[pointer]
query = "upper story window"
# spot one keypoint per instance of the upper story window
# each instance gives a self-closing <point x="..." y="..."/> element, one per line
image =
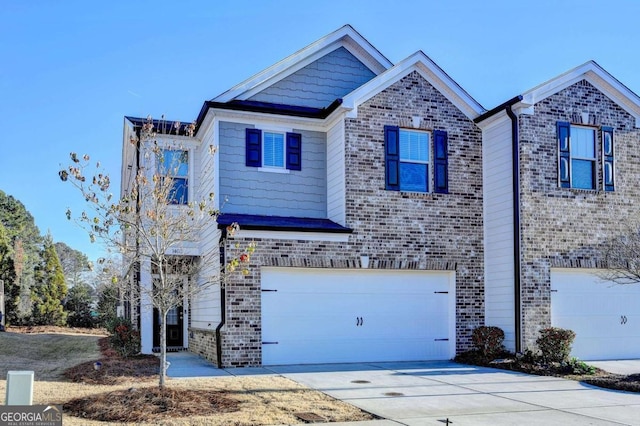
<point x="273" y="150"/>
<point x="415" y="159"/>
<point x="175" y="166"/>
<point x="579" y="149"/>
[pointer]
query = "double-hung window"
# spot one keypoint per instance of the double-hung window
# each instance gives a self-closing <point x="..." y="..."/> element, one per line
<point x="273" y="150"/>
<point x="579" y="150"/>
<point x="174" y="169"/>
<point x="414" y="159"/>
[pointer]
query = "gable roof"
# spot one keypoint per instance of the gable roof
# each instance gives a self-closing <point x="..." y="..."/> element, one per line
<point x="596" y="76"/>
<point x="430" y="71"/>
<point x="345" y="37"/>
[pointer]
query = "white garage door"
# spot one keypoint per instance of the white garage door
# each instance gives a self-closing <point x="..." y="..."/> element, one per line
<point x="605" y="316"/>
<point x="329" y="316"/>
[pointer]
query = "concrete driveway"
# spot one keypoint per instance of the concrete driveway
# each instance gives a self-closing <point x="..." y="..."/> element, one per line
<point x="429" y="393"/>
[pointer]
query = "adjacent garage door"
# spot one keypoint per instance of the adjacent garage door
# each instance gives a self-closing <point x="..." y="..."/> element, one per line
<point x="605" y="316"/>
<point x="329" y="316"/>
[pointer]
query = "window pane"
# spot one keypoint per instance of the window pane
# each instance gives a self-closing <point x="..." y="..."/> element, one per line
<point x="175" y="163"/>
<point x="273" y="151"/>
<point x="414" y="146"/>
<point x="582" y="172"/>
<point x="179" y="194"/>
<point x="413" y="177"/>
<point x="582" y="142"/>
<point x="172" y="316"/>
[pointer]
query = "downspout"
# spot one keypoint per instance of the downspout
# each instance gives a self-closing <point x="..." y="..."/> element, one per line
<point x="515" y="163"/>
<point x="223" y="304"/>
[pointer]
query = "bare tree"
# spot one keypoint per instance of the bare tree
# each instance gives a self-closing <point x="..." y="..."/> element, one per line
<point x="621" y="257"/>
<point x="158" y="221"/>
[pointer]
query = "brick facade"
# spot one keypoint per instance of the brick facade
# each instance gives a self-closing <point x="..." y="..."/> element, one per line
<point x="565" y="227"/>
<point x="399" y="230"/>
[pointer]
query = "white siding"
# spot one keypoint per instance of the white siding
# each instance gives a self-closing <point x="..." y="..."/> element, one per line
<point x="498" y="228"/>
<point x="205" y="307"/>
<point x="335" y="174"/>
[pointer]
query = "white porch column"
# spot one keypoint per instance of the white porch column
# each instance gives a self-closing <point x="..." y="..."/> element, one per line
<point x="146" y="308"/>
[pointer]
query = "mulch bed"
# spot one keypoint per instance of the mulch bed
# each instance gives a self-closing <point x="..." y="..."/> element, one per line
<point x="145" y="404"/>
<point x="630" y="383"/>
<point x="150" y="404"/>
<point x="115" y="369"/>
<point x="599" y="378"/>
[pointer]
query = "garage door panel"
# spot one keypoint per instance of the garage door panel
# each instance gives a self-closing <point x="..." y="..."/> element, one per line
<point x="320" y="316"/>
<point x="603" y="315"/>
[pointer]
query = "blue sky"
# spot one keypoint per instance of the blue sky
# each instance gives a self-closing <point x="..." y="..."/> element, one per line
<point x="71" y="70"/>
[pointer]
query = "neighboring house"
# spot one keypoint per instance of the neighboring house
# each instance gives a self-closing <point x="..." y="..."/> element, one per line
<point x="381" y="234"/>
<point x="576" y="140"/>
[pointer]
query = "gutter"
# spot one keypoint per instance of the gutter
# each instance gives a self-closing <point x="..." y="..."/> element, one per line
<point x="223" y="306"/>
<point x="517" y="266"/>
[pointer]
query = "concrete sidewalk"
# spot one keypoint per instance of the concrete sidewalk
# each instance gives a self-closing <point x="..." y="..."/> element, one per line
<point x="429" y="393"/>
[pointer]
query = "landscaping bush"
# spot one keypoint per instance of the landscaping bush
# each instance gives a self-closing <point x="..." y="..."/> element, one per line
<point x="124" y="339"/>
<point x="488" y="341"/>
<point x="555" y="344"/>
<point x="580" y="367"/>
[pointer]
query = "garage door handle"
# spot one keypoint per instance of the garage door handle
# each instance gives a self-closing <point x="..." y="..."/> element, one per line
<point x="359" y="321"/>
<point x="623" y="319"/>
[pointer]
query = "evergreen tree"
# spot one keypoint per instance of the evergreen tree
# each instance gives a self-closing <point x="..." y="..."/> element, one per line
<point x="7" y="272"/>
<point x="74" y="263"/>
<point x="50" y="288"/>
<point x="78" y="306"/>
<point x="24" y="254"/>
<point x="107" y="304"/>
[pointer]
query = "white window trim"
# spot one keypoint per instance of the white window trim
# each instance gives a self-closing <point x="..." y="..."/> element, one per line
<point x="593" y="159"/>
<point x="430" y="179"/>
<point x="275" y="169"/>
<point x="190" y="172"/>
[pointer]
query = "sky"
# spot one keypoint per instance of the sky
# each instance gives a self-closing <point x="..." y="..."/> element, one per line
<point x="70" y="70"/>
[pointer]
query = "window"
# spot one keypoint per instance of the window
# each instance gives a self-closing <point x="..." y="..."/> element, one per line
<point x="414" y="161"/>
<point x="175" y="166"/>
<point x="270" y="149"/>
<point x="273" y="149"/>
<point x="409" y="161"/>
<point x="578" y="157"/>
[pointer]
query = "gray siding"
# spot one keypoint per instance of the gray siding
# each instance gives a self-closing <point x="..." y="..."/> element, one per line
<point x="320" y="83"/>
<point x="247" y="190"/>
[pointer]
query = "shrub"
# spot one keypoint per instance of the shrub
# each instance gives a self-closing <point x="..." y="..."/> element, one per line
<point x="580" y="367"/>
<point x="555" y="344"/>
<point x="124" y="339"/>
<point x="488" y="341"/>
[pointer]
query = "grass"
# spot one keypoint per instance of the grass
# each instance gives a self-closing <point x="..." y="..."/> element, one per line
<point x="49" y="355"/>
<point x="126" y="391"/>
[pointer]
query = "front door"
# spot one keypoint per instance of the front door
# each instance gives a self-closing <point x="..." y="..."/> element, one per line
<point x="174" y="324"/>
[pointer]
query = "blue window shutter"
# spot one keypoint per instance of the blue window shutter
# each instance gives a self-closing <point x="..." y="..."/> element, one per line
<point x="253" y="147"/>
<point x="294" y="151"/>
<point x="564" y="157"/>
<point x="608" y="176"/>
<point x="441" y="162"/>
<point x="392" y="157"/>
